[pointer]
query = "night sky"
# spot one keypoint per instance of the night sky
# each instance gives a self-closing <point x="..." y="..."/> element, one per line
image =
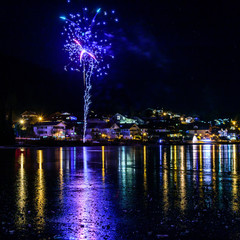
<point x="183" y="56"/>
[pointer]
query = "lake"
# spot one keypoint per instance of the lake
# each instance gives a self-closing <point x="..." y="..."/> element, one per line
<point x="120" y="192"/>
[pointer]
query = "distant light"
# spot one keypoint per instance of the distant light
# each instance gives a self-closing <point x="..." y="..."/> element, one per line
<point x="63" y="18"/>
<point x="40" y="118"/>
<point x="21" y="121"/>
<point x="98" y="10"/>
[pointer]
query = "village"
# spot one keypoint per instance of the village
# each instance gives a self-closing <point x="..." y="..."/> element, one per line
<point x="152" y="125"/>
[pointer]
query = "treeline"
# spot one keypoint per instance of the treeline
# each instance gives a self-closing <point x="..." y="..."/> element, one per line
<point x="6" y="130"/>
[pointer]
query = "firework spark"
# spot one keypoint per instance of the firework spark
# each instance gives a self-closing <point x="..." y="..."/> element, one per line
<point x="88" y="43"/>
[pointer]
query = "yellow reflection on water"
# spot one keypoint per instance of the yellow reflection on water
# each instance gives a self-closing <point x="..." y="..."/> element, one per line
<point x="201" y="173"/>
<point x="21" y="193"/>
<point x="40" y="199"/>
<point x="234" y="163"/>
<point x="145" y="168"/>
<point x="213" y="154"/>
<point x="183" y="201"/>
<point x="103" y="164"/>
<point x="175" y="164"/>
<point x="174" y="173"/>
<point x="235" y="203"/>
<point x="175" y="157"/>
<point x="200" y="159"/>
<point x="165" y="183"/>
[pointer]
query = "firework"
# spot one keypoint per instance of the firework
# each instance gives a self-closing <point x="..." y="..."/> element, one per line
<point x="88" y="41"/>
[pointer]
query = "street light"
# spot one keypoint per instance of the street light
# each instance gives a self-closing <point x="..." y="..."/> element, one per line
<point x="21" y="121"/>
<point x="40" y="118"/>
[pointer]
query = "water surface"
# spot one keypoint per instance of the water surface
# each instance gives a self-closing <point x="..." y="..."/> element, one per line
<point x="177" y="192"/>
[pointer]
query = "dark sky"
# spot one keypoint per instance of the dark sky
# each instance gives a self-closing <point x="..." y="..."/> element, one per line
<point x="180" y="55"/>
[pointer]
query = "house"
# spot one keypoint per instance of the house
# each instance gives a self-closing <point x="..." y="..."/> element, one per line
<point x="135" y="132"/>
<point x="125" y="131"/>
<point x="201" y="130"/>
<point x="102" y="130"/>
<point x="227" y="134"/>
<point x="130" y="131"/>
<point x="223" y="133"/>
<point x="50" y="129"/>
<point x="120" y="119"/>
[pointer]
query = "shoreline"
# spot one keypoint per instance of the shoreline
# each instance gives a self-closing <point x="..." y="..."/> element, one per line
<point x="63" y="143"/>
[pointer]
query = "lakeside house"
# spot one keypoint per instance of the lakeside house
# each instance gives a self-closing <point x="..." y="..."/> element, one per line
<point x="50" y="129"/>
<point x="202" y="130"/>
<point x="101" y="129"/>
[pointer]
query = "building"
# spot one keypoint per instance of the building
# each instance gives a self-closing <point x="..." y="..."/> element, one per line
<point x="121" y="119"/>
<point x="130" y="131"/>
<point x="202" y="130"/>
<point x="102" y="130"/>
<point x="125" y="131"/>
<point x="50" y="129"/>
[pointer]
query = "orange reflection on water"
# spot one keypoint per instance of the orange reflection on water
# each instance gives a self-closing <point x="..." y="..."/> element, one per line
<point x="145" y="168"/>
<point x="103" y="163"/>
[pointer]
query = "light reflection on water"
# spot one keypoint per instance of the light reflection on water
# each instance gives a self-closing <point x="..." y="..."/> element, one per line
<point x="89" y="187"/>
<point x="40" y="198"/>
<point x="21" y="193"/>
